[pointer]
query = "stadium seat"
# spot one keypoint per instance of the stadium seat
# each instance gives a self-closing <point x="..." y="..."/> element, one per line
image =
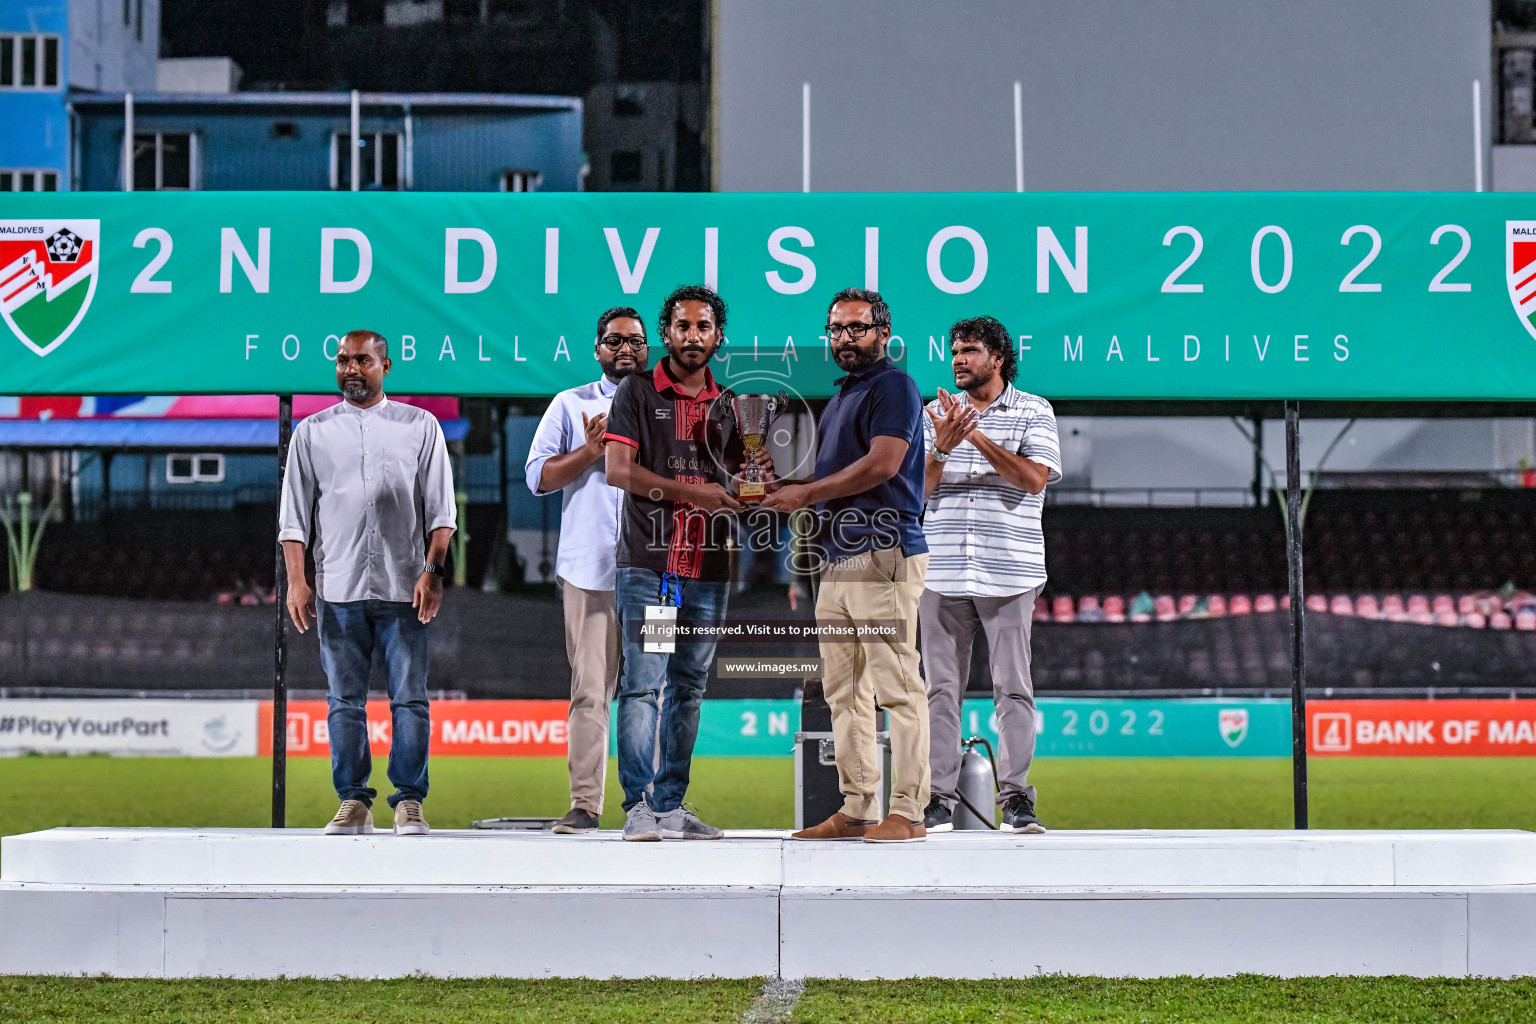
<point x="1264" y="603"/>
<point x="1341" y="605"/>
<point x="1241" y="605"/>
<point x="1061" y="610"/>
<point x="1165" y="609"/>
<point x="1367" y="607"/>
<point x="1114" y="608"/>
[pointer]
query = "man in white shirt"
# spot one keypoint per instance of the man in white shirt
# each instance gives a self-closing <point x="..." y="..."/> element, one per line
<point x="991" y="453"/>
<point x="369" y="489"/>
<point x="567" y="456"/>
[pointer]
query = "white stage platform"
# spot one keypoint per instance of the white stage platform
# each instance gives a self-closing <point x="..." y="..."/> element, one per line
<point x="263" y="903"/>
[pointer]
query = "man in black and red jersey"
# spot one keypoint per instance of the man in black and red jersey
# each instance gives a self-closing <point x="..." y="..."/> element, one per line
<point x="671" y="450"/>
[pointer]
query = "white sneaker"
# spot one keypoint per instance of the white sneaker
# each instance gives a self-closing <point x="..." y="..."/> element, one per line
<point x="353" y="819"/>
<point x="408" y="819"/>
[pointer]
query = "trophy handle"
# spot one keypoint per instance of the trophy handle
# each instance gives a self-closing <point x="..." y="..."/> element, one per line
<point x="727" y="410"/>
<point x="780" y="403"/>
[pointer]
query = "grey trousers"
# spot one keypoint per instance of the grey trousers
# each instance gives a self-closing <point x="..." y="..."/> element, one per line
<point x="592" y="645"/>
<point x="949" y="626"/>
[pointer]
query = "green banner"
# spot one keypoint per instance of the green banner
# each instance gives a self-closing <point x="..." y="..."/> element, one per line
<point x="1067" y="728"/>
<point x="1148" y="728"/>
<point x="1145" y="295"/>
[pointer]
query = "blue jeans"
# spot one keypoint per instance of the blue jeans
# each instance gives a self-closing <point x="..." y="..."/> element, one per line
<point x="350" y="633"/>
<point x="662" y="781"/>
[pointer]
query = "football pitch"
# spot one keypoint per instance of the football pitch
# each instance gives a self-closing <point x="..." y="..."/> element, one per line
<point x="735" y="792"/>
<point x="43" y="792"/>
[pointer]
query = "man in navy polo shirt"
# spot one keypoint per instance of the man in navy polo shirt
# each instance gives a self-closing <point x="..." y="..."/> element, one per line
<point x="868" y="491"/>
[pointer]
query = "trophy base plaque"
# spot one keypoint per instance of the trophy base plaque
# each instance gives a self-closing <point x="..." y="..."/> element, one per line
<point x="751" y="491"/>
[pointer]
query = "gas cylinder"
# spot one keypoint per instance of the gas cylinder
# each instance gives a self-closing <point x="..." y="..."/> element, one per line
<point x="978" y="784"/>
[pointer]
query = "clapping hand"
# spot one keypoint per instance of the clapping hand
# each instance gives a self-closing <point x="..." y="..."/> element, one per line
<point x="958" y="421"/>
<point x="594" y="428"/>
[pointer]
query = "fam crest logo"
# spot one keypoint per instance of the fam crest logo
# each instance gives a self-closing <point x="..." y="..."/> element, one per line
<point x="47" y="278"/>
<point x="1233" y="725"/>
<point x="1520" y="269"/>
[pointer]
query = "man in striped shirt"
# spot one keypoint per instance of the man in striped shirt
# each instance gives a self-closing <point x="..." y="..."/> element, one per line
<point x="990" y="455"/>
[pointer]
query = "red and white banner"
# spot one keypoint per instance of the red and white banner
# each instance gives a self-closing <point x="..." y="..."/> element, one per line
<point x="475" y="728"/>
<point x="1422" y="728"/>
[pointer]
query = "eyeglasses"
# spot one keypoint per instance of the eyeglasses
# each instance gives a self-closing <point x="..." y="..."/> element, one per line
<point x="617" y="342"/>
<point x="854" y="331"/>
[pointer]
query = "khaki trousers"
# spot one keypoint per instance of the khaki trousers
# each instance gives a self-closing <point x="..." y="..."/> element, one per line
<point x="878" y="585"/>
<point x="592" y="645"/>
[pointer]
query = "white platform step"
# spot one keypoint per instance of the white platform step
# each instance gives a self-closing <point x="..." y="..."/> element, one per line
<point x="264" y="903"/>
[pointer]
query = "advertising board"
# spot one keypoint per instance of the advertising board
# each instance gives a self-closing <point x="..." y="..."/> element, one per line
<point x="1190" y="295"/>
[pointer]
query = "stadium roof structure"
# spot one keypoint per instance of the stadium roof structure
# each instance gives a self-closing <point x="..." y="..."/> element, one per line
<point x="499" y="101"/>
<point x="161" y="434"/>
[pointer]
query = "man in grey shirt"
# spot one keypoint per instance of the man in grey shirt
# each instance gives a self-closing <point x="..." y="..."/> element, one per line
<point x="369" y="490"/>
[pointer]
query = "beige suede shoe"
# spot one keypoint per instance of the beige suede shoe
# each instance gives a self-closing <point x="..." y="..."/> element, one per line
<point x="408" y="819"/>
<point x="353" y="819"/>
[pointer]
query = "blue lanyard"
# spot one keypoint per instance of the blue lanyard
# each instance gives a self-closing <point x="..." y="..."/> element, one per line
<point x="677" y="589"/>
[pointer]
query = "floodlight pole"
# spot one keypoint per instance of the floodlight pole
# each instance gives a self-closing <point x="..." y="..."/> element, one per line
<point x="1298" y="611"/>
<point x="805" y="136"/>
<point x="280" y="599"/>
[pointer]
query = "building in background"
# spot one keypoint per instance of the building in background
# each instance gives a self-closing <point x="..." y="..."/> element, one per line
<point x="1119" y="95"/>
<point x="645" y="137"/>
<point x="280" y="140"/>
<point x="1124" y="95"/>
<point x="642" y="67"/>
<point x="51" y="49"/>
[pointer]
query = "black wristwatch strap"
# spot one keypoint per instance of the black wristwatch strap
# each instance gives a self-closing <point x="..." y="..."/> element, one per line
<point x="435" y="570"/>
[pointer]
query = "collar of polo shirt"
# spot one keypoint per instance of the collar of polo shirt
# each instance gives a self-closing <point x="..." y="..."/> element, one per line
<point x="664" y="381"/>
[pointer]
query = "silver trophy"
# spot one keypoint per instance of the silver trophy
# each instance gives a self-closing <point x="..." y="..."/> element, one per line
<point x="753" y="414"/>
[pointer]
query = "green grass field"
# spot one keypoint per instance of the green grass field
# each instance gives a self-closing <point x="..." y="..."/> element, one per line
<point x="42" y="792"/>
<point x="1241" y="1000"/>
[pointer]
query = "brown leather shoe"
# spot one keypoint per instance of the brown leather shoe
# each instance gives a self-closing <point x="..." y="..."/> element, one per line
<point x="839" y="826"/>
<point x="896" y="829"/>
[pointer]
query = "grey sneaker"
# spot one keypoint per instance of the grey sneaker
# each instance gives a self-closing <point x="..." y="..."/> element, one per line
<point x="684" y="824"/>
<point x="640" y="824"/>
<point x="408" y="819"/>
<point x="353" y="819"/>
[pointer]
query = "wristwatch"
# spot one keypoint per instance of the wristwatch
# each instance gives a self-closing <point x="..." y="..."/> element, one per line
<point x="435" y="570"/>
<point x="938" y="456"/>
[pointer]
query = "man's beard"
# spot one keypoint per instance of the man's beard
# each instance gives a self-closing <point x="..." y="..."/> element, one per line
<point x="700" y="352"/>
<point x="861" y="358"/>
<point x="616" y="373"/>
<point x="975" y="381"/>
<point x="358" y="391"/>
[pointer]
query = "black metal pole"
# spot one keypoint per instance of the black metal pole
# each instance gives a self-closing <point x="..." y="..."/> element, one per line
<point x="280" y="660"/>
<point x="505" y="525"/>
<point x="1258" y="462"/>
<point x="1298" y="611"/>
